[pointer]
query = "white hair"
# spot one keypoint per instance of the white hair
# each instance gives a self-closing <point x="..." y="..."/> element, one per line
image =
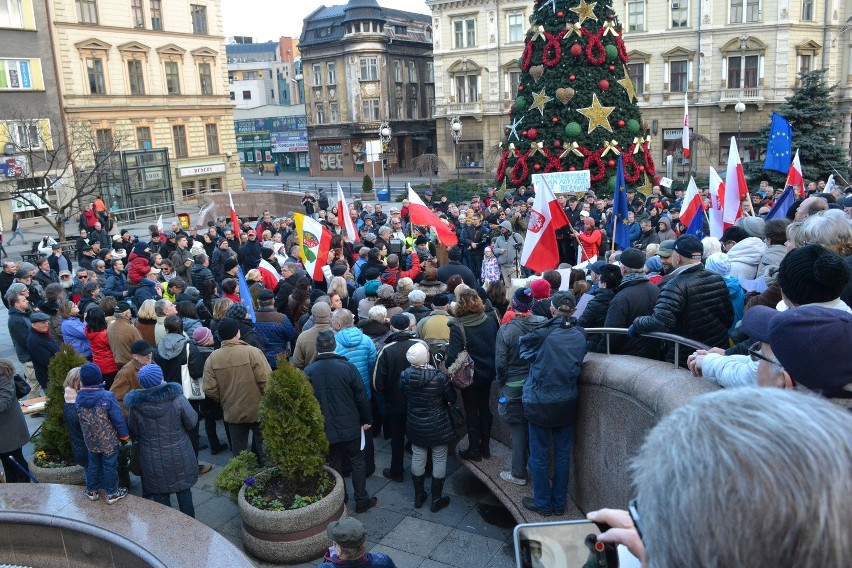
<point x="711" y="246"/>
<point x="417" y="297"/>
<point x="377" y="313"/>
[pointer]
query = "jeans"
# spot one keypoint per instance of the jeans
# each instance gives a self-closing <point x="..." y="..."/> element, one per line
<point x="102" y="472"/>
<point x="550" y="494"/>
<point x="17" y="233"/>
<point x="239" y="434"/>
<point x="419" y="457"/>
<point x="184" y="499"/>
<point x="518" y="432"/>
<point x="396" y="424"/>
<point x="351" y="450"/>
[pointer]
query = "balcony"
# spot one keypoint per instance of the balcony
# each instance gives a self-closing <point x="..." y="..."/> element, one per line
<point x="749" y="95"/>
<point x="475" y="110"/>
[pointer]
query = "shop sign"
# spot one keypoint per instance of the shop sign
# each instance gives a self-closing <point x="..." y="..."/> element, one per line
<point x="201" y="170"/>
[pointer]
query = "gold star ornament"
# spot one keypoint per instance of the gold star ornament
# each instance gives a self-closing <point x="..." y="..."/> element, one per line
<point x="645" y="189"/>
<point x="539" y="100"/>
<point x="585" y="11"/>
<point x="628" y="85"/>
<point x="597" y="114"/>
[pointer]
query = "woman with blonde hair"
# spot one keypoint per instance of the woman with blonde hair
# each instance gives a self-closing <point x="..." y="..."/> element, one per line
<point x="220" y="310"/>
<point x="146" y="321"/>
<point x="339" y="287"/>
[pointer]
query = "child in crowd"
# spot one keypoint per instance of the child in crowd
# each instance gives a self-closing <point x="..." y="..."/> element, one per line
<point x="490" y="267"/>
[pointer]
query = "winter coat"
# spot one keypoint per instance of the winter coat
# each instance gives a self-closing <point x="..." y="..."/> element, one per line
<point x="595" y="313"/>
<point x="730" y="370"/>
<point x="147" y="329"/>
<point x="338" y="388"/>
<point x="392" y="275"/>
<point x="138" y="267"/>
<point x="249" y="255"/>
<point x="481" y="334"/>
<point x="235" y="375"/>
<point x="645" y="239"/>
<point x="772" y="257"/>
<point x="19" y="329"/>
<point x="13" y="426"/>
<point x="737" y="299"/>
<point x="53" y="262"/>
<point x="42" y="348"/>
<point x="101" y="420"/>
<point x="745" y="257"/>
<point x="377" y="331"/>
<point x="201" y="274"/>
<point x="126" y="380"/>
<point x="198" y="355"/>
<point x="74" y="334"/>
<point x="632" y="299"/>
<point x="359" y="350"/>
<point x="171" y="356"/>
<point x="178" y="259"/>
<point x="282" y="296"/>
<point x="550" y="393"/>
<point x="249" y="335"/>
<point x="666" y="234"/>
<point x="509" y="365"/>
<point x="431" y="288"/>
<point x="101" y="353"/>
<point x="694" y="304"/>
<point x="591" y="243"/>
<point x="390" y="363"/>
<point x="452" y="268"/>
<point x="190" y="325"/>
<point x="46" y="278"/>
<point x="419" y="312"/>
<point x="121" y="334"/>
<point x="146" y="290"/>
<point x="276" y="332"/>
<point x="116" y="284"/>
<point x="217" y="262"/>
<point x="502" y="242"/>
<point x="160" y="419"/>
<point x="75" y="432"/>
<point x="428" y="391"/>
<point x="305" y="351"/>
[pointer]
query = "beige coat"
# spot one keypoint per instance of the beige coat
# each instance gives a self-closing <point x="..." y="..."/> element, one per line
<point x="306" y="346"/>
<point x="235" y="375"/>
<point x="121" y="334"/>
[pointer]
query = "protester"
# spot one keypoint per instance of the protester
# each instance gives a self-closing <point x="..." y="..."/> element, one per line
<point x="14" y="434"/>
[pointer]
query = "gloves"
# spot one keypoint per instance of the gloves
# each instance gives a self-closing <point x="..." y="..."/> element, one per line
<point x="631" y="331"/>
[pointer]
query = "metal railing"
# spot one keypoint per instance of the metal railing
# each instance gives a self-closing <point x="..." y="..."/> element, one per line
<point x="667" y="337"/>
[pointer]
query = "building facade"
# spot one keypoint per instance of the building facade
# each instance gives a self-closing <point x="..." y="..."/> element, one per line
<point x="146" y="75"/>
<point x="715" y="52"/>
<point x="364" y="66"/>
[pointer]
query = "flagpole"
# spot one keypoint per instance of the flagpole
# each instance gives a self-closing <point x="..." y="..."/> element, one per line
<point x="614" y="229"/>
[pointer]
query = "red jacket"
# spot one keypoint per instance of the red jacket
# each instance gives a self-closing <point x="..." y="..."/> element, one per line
<point x="137" y="268"/>
<point x="101" y="353"/>
<point x="392" y="275"/>
<point x="591" y="243"/>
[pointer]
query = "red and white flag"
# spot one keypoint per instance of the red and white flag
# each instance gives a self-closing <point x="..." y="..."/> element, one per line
<point x="735" y="187"/>
<point x="235" y="222"/>
<point x="269" y="275"/>
<point x="692" y="204"/>
<point x="717" y="191"/>
<point x="685" y="125"/>
<point x="540" y="248"/>
<point x="421" y="215"/>
<point x="343" y="218"/>
<point x="794" y="176"/>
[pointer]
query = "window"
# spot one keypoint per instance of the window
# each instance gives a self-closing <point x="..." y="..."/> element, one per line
<point x="412" y="72"/>
<point x="246" y="95"/>
<point x="464" y="33"/>
<point x="680" y="13"/>
<point x="317" y="68"/>
<point x="172" y="78"/>
<point x="199" y="19"/>
<point x="136" y="77"/>
<point x="187" y="189"/>
<point x="807" y="10"/>
<point x="514" y="83"/>
<point x="95" y="70"/>
<point x="103" y="139"/>
<point x="412" y="109"/>
<point x="636" y="15"/>
<point x="21" y="74"/>
<point x="87" y="11"/>
<point x="470" y="154"/>
<point x="370" y="110"/>
<point x="636" y="72"/>
<point x="751" y="8"/>
<point x="211" y="134"/>
<point x="156" y="14"/>
<point x="137" y="13"/>
<point x="205" y="78"/>
<point x="232" y="96"/>
<point x="516" y="28"/>
<point x="743" y="72"/>
<point x="25" y="134"/>
<point x="400" y="30"/>
<point x="397" y="71"/>
<point x="430" y="72"/>
<point x="143" y="138"/>
<point x="11" y="14"/>
<point x="679" y="80"/>
<point x="467" y="88"/>
<point x="369" y="69"/>
<point x="320" y="114"/>
<point x="334" y="110"/>
<point x="216" y="184"/>
<point x="179" y="135"/>
<point x="331" y="73"/>
<point x="806" y="63"/>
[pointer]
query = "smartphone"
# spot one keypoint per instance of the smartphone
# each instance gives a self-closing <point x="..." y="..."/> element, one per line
<point x="563" y="544"/>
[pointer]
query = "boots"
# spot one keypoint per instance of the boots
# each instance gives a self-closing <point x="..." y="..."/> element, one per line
<point x="420" y="494"/>
<point x="472" y="453"/>
<point x="485" y="448"/>
<point x="438" y="502"/>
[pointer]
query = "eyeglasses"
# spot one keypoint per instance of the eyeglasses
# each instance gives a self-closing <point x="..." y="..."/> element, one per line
<point x="756" y="355"/>
<point x="633" y="511"/>
<point x="82" y="277"/>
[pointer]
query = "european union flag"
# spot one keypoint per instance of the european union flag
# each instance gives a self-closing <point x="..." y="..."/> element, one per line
<point x="245" y="294"/>
<point x="779" y="148"/>
<point x="782" y="205"/>
<point x="620" y="209"/>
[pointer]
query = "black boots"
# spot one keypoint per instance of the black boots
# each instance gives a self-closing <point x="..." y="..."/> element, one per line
<point x="438" y="502"/>
<point x="420" y="494"/>
<point x="471" y="454"/>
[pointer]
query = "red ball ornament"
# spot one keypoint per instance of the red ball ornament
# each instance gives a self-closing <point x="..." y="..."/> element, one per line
<point x="537" y="167"/>
<point x="555" y="120"/>
<point x="611" y="163"/>
<point x="641" y="168"/>
<point x="532" y="134"/>
<point x="560" y="14"/>
<point x="572" y="169"/>
<point x="571" y="77"/>
<point x="524" y="133"/>
<point x="621" y="124"/>
<point x="557" y="143"/>
<point x="520" y="87"/>
<point x="612" y="67"/>
<point x="603" y="84"/>
<point x="576" y="50"/>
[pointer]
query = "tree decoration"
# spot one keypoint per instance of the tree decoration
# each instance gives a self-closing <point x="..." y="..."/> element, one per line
<point x="585" y="11"/>
<point x="576" y="50"/>
<point x="536" y="72"/>
<point x="628" y="86"/>
<point x="521" y="103"/>
<point x="565" y="94"/>
<point x="573" y="130"/>
<point x="633" y="126"/>
<point x="513" y="128"/>
<point x="603" y="84"/>
<point x="611" y="52"/>
<point x="553" y="50"/>
<point x="540" y="99"/>
<point x="597" y="114"/>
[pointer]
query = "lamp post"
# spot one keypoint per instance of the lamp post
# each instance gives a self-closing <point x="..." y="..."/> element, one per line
<point x="456" y="133"/>
<point x="739" y="108"/>
<point x="385" y="135"/>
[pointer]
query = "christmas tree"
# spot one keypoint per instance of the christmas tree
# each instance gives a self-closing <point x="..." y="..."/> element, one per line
<point x="812" y="113"/>
<point x="576" y="106"/>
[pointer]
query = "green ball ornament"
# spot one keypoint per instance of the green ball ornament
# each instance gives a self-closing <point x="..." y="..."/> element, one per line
<point x="521" y="103"/>
<point x="611" y="183"/>
<point x="634" y="126"/>
<point x="611" y="52"/>
<point x="573" y="130"/>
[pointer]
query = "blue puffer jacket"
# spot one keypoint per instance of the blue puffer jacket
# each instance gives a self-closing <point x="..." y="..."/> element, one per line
<point x="359" y="350"/>
<point x="737" y="299"/>
<point x="74" y="334"/>
<point x="147" y="290"/>
<point x="160" y="419"/>
<point x="116" y="284"/>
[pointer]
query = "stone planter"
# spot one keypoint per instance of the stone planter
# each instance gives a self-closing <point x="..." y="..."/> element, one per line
<point x="72" y="475"/>
<point x="290" y="537"/>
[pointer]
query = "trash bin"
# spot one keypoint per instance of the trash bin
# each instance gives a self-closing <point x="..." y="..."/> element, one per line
<point x="183" y="219"/>
<point x="383" y="195"/>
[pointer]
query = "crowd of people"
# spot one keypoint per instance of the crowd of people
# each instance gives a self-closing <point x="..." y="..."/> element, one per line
<point x="380" y="338"/>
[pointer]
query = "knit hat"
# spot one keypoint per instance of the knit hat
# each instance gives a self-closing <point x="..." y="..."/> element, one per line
<point x="812" y="274"/>
<point x="522" y="301"/>
<point x="228" y="328"/>
<point x="400" y="322"/>
<point x="417" y="355"/>
<point x="372" y="273"/>
<point x="421" y="240"/>
<point x="238" y="312"/>
<point x="140" y="248"/>
<point x="321" y="312"/>
<point x="371" y="288"/>
<point x="201" y="335"/>
<point x="455" y="253"/>
<point x="266" y="252"/>
<point x="589" y="222"/>
<point x="540" y="288"/>
<point x="632" y="258"/>
<point x="326" y="342"/>
<point x="338" y="270"/>
<point x="385" y="292"/>
<point x="719" y="263"/>
<point x="654" y="264"/>
<point x="754" y="226"/>
<point x="229" y="264"/>
<point x="150" y="376"/>
<point x="440" y="301"/>
<point x="90" y="375"/>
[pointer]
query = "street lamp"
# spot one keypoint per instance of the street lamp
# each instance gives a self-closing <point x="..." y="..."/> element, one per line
<point x="385" y="135"/>
<point x="456" y="133"/>
<point x="739" y="108"/>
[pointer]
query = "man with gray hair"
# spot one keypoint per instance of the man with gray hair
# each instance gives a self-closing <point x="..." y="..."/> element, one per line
<point x="164" y="308"/>
<point x="306" y="351"/>
<point x="800" y="444"/>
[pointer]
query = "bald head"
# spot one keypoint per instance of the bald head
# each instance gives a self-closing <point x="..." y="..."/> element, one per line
<point x="810" y="206"/>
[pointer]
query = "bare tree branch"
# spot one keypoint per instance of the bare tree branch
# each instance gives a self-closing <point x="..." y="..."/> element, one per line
<point x="429" y="163"/>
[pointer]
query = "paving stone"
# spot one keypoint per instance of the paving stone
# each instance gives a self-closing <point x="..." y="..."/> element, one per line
<point x="464" y="549"/>
<point x="379" y="522"/>
<point x="400" y="498"/>
<point x="416" y="536"/>
<point x="216" y="512"/>
<point x="401" y="558"/>
<point x="504" y="558"/>
<point x="429" y="563"/>
<point x="474" y="523"/>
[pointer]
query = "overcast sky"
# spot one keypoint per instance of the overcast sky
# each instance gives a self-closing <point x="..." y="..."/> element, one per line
<point x="269" y="19"/>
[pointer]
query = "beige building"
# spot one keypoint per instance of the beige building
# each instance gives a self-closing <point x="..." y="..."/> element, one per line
<point x="147" y="75"/>
<point x="720" y="52"/>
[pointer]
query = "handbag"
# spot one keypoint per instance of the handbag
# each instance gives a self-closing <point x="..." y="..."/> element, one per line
<point x="456" y="417"/>
<point x="461" y="371"/>
<point x="22" y="387"/>
<point x="191" y="387"/>
<point x="135" y="465"/>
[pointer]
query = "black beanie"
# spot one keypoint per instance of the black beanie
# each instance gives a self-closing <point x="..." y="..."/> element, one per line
<point x="227" y="328"/>
<point x="230" y="264"/>
<point x="812" y="274"/>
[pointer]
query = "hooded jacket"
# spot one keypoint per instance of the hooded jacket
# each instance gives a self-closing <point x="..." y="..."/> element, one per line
<point x="392" y="275"/>
<point x="745" y="257"/>
<point x="276" y="332"/>
<point x="428" y="391"/>
<point x="101" y="353"/>
<point x="772" y="257"/>
<point x="160" y="419"/>
<point x="116" y="284"/>
<point x="359" y="350"/>
<point x="667" y="233"/>
<point x="138" y="267"/>
<point x="200" y="274"/>
<point x="338" y="388"/>
<point x="510" y="367"/>
<point x="101" y="420"/>
<point x="146" y="290"/>
<point x="170" y="356"/>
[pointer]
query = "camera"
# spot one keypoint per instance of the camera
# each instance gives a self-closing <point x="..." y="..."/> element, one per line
<point x="565" y="544"/>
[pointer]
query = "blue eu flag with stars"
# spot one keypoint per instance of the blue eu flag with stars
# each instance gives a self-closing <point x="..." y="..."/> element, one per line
<point x="779" y="148"/>
<point x="620" y="209"/>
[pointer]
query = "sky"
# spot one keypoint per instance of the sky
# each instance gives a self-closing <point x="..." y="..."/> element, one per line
<point x="270" y="19"/>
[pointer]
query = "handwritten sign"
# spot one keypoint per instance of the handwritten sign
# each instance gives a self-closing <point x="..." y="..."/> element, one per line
<point x="564" y="182"/>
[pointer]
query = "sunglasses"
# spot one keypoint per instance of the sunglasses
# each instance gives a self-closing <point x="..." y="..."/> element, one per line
<point x="82" y="277"/>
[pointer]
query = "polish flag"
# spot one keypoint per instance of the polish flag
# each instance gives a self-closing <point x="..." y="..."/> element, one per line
<point x="794" y="176"/>
<point x="421" y="215"/>
<point x="692" y="210"/>
<point x="540" y="249"/>
<point x="269" y="275"/>
<point x="234" y="220"/>
<point x="686" y="125"/>
<point x="735" y="187"/>
<point x="343" y="217"/>
<point x="717" y="192"/>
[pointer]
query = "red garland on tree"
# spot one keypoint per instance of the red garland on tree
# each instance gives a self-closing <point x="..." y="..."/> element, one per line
<point x="553" y="49"/>
<point x="526" y="58"/>
<point x="521" y="169"/>
<point x="501" y="168"/>
<point x="595" y="44"/>
<point x="631" y="168"/>
<point x="649" y="160"/>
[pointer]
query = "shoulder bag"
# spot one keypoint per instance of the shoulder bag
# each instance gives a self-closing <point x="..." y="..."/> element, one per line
<point x="22" y="388"/>
<point x="191" y="387"/>
<point x="461" y="371"/>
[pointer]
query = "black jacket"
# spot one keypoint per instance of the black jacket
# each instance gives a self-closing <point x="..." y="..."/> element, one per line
<point x="695" y="304"/>
<point x="632" y="299"/>
<point x="217" y="262"/>
<point x="342" y="398"/>
<point x="362" y="276"/>
<point x="595" y="313"/>
<point x="419" y="312"/>
<point x="6" y="281"/>
<point x="19" y="329"/>
<point x="428" y="391"/>
<point x="45" y="279"/>
<point x="390" y="363"/>
<point x="452" y="268"/>
<point x="282" y="295"/>
<point x="200" y="274"/>
<point x="250" y="255"/>
<point x="42" y="348"/>
<point x="481" y="335"/>
<point x="250" y="336"/>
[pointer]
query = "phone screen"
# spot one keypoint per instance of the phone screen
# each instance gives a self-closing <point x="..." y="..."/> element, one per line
<point x="565" y="544"/>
